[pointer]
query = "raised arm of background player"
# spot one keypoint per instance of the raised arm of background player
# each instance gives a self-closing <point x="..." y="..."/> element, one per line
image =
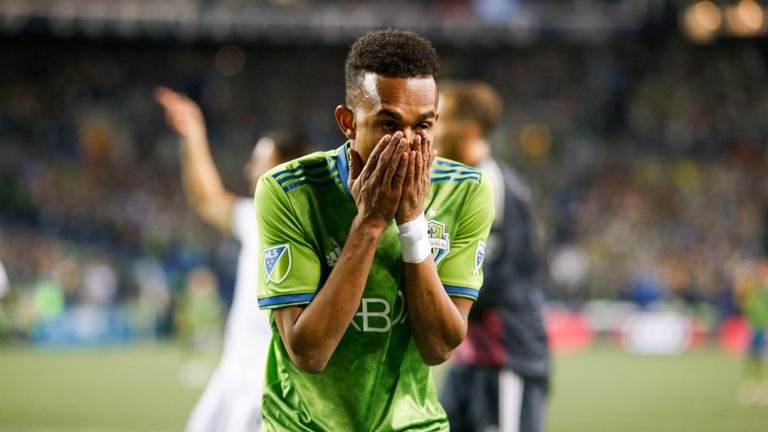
<point x="311" y="333"/>
<point x="438" y="321"/>
<point x="202" y="182"/>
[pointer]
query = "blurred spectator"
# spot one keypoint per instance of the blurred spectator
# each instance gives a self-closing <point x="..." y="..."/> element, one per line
<point x="199" y="315"/>
<point x="4" y="283"/>
<point x="152" y="304"/>
<point x="5" y="315"/>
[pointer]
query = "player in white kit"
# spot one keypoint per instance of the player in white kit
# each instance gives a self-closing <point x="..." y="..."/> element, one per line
<point x="231" y="401"/>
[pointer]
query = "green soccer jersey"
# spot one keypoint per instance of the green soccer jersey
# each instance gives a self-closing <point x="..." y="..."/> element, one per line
<point x="376" y="379"/>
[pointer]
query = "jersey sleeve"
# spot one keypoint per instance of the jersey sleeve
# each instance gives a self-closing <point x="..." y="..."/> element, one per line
<point x="461" y="271"/>
<point x="291" y="269"/>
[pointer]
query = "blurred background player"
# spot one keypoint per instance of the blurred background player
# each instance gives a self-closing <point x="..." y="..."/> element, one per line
<point x="752" y="296"/>
<point x="4" y="284"/>
<point x="500" y="374"/>
<point x="232" y="399"/>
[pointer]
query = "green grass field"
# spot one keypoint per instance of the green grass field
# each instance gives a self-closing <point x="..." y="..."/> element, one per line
<point x="138" y="389"/>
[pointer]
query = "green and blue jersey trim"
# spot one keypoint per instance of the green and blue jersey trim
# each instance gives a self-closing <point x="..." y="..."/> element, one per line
<point x="292" y="178"/>
<point x="461" y="291"/>
<point x="303" y="298"/>
<point x="448" y="163"/>
<point x="286" y="300"/>
<point x="342" y="164"/>
<point x="311" y="166"/>
<point x="444" y="170"/>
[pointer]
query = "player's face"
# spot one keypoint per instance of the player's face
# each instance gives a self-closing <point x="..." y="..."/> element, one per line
<point x="263" y="158"/>
<point x="389" y="105"/>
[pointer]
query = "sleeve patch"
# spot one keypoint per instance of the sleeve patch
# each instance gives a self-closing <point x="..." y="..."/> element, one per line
<point x="277" y="262"/>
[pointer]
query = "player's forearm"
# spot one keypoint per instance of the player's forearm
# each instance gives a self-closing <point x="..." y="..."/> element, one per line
<point x="316" y="332"/>
<point x="202" y="184"/>
<point x="438" y="325"/>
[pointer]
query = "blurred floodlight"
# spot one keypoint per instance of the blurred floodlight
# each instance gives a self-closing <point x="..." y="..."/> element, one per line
<point x="745" y="18"/>
<point x="701" y="21"/>
<point x="751" y="14"/>
<point x="708" y="15"/>
<point x="229" y="60"/>
<point x="535" y="139"/>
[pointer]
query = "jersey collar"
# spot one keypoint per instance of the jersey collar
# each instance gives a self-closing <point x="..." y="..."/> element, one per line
<point x="342" y="164"/>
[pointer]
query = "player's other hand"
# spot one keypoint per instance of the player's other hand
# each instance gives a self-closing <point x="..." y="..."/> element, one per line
<point x="416" y="184"/>
<point x="181" y="113"/>
<point x="377" y="185"/>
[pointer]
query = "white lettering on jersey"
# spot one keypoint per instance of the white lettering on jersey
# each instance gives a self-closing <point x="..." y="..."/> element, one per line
<point x="333" y="256"/>
<point x="374" y="314"/>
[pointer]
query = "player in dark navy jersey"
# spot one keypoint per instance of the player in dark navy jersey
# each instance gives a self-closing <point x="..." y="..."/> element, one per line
<point x="499" y="375"/>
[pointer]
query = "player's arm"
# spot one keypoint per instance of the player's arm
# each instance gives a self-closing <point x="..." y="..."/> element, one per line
<point x="438" y="321"/>
<point x="202" y="182"/>
<point x="312" y="333"/>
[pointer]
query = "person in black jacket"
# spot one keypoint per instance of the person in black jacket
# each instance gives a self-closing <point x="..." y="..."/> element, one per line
<point x="499" y="376"/>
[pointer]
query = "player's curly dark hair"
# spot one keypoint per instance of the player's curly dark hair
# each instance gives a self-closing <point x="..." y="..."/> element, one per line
<point x="391" y="53"/>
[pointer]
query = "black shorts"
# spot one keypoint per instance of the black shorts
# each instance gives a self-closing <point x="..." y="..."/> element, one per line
<point x="473" y="397"/>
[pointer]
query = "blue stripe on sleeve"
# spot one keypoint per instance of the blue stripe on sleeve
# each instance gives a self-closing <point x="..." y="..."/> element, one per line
<point x="296" y="170"/>
<point x="322" y="163"/>
<point x="455" y="171"/>
<point x="292" y="170"/>
<point x="290" y="177"/>
<point x="457" y="290"/>
<point x="309" y="180"/>
<point x="285" y="299"/>
<point x="475" y="177"/>
<point x="311" y="176"/>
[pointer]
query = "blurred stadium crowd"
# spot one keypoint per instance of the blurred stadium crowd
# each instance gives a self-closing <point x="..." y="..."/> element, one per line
<point x="646" y="162"/>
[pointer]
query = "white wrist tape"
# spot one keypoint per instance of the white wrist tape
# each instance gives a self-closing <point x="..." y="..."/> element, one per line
<point x="414" y="240"/>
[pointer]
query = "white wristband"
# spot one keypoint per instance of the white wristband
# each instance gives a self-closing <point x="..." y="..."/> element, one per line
<point x="414" y="240"/>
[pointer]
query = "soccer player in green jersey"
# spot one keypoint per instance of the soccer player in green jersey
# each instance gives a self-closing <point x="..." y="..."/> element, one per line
<point x="372" y="255"/>
<point x="751" y="290"/>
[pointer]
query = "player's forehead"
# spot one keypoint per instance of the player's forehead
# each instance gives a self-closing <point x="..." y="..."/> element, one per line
<point x="405" y="96"/>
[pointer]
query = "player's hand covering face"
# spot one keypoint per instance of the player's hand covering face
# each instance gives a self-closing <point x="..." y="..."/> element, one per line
<point x="377" y="185"/>
<point x="402" y="107"/>
<point x="416" y="185"/>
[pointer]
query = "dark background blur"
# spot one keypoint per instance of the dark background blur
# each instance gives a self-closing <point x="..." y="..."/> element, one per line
<point x="640" y="127"/>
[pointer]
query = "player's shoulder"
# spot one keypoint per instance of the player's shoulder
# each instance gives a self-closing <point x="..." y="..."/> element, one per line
<point x="447" y="172"/>
<point x="318" y="168"/>
<point x="454" y="182"/>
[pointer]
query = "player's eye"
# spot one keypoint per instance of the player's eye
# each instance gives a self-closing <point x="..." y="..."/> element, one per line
<point x="425" y="126"/>
<point x="387" y="125"/>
